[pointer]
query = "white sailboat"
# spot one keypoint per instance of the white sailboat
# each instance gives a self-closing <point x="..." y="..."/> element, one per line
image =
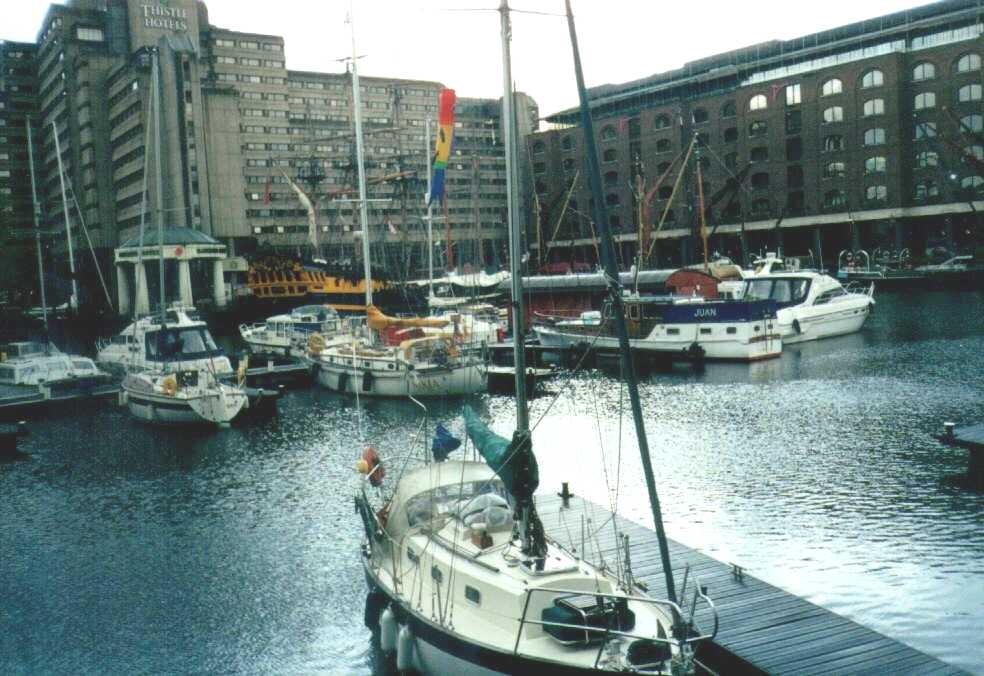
<point x="463" y="579"/>
<point x="172" y="376"/>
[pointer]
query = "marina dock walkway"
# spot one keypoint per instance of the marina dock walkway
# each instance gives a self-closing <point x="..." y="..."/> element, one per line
<point x="763" y="629"/>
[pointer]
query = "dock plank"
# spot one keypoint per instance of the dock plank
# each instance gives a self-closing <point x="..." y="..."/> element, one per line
<point x="762" y="627"/>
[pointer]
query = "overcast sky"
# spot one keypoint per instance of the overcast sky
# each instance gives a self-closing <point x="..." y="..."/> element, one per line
<point x="620" y="40"/>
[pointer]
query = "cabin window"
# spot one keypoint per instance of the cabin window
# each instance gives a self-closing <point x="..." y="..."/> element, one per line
<point x="633" y="311"/>
<point x="673" y="332"/>
<point x="436" y="575"/>
<point x="390" y="366"/>
<point x="705" y="332"/>
<point x="473" y="595"/>
<point x="731" y="330"/>
<point x="413" y="556"/>
<point x="756" y="328"/>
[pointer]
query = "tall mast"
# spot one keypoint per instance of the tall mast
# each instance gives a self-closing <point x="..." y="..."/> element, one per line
<point x="430" y="214"/>
<point x="37" y="225"/>
<point x="156" y="102"/>
<point x="615" y="295"/>
<point x="515" y="240"/>
<point x="360" y="161"/>
<point x="74" y="301"/>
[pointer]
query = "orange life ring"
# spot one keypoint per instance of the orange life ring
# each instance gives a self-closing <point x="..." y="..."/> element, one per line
<point x="372" y="467"/>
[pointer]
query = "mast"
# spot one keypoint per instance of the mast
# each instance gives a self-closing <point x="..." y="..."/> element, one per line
<point x="360" y="161"/>
<point x="37" y="225"/>
<point x="156" y="102"/>
<point x="74" y="300"/>
<point x="515" y="240"/>
<point x="615" y="295"/>
<point x="430" y="214"/>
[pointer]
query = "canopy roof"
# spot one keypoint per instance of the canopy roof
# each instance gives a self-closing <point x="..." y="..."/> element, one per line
<point x="172" y="237"/>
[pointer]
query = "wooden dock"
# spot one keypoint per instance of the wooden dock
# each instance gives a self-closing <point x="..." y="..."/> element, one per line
<point x="970" y="437"/>
<point x="763" y="629"/>
<point x="18" y="400"/>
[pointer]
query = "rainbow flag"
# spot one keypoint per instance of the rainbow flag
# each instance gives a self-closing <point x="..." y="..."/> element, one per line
<point x="442" y="150"/>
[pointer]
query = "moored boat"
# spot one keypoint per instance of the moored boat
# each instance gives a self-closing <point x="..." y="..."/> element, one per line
<point x="288" y="334"/>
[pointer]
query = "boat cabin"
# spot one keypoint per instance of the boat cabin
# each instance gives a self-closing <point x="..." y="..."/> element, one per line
<point x="180" y="343"/>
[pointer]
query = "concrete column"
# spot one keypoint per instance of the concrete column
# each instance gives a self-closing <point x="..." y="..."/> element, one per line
<point x="218" y="284"/>
<point x="899" y="232"/>
<point x="122" y="289"/>
<point x="818" y="247"/>
<point x="143" y="298"/>
<point x="184" y="283"/>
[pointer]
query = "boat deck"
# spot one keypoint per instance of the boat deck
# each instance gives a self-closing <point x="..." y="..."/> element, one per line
<point x="763" y="629"/>
<point x="19" y="399"/>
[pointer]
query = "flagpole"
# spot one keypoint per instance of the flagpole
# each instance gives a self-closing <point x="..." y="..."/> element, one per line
<point x="360" y="159"/>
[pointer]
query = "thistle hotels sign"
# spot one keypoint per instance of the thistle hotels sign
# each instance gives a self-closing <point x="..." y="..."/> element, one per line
<point x="163" y="17"/>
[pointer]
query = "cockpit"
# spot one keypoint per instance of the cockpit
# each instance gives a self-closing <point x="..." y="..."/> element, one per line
<point x="181" y="344"/>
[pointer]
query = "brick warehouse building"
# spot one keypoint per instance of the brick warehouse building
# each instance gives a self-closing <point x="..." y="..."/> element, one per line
<point x="234" y="118"/>
<point x="868" y="135"/>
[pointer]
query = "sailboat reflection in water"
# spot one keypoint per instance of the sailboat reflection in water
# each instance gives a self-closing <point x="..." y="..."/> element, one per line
<point x="462" y="577"/>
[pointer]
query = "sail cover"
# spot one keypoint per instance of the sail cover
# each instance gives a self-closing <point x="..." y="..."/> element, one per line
<point x="378" y="321"/>
<point x="513" y="461"/>
<point x="442" y="149"/>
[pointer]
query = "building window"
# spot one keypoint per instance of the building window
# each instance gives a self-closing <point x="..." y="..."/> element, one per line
<point x="225" y="43"/>
<point x="831" y="87"/>
<point x="663" y="145"/>
<point x="89" y="34"/>
<point x="874" y="165"/>
<point x="568" y="164"/>
<point x="665" y="192"/>
<point x="608" y="133"/>
<point x="730" y="135"/>
<point x="833" y="114"/>
<point x="833" y="143"/>
<point x="728" y="109"/>
<point x="610" y="155"/>
<point x="876" y="193"/>
<point x="927" y="158"/>
<point x="975" y="151"/>
<point x="834" y="170"/>
<point x="925" y="130"/>
<point x="794" y="121"/>
<point x="924" y="100"/>
<point x="971" y="92"/>
<point x="968" y="63"/>
<point x="873" y="78"/>
<point x="760" y="154"/>
<point x="700" y="116"/>
<point x="760" y="181"/>
<point x="972" y="123"/>
<point x="611" y="178"/>
<point x="661" y="122"/>
<point x="567" y="143"/>
<point x="874" y="137"/>
<point x="794" y="149"/>
<point x="758" y="102"/>
<point x="540" y="187"/>
<point x="874" y="107"/>
<point x="972" y="184"/>
<point x="925" y="190"/>
<point x="794" y="177"/>
<point x="833" y="199"/>
<point x="539" y="167"/>
<point x="761" y="206"/>
<point x="923" y="71"/>
<point x="793" y="95"/>
<point x="612" y="199"/>
<point x="757" y="129"/>
<point x="538" y="148"/>
<point x="663" y="168"/>
<point x="614" y="220"/>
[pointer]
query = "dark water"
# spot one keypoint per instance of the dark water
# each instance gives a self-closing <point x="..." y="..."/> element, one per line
<point x="125" y="548"/>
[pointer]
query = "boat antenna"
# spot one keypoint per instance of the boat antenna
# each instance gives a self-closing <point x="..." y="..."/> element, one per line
<point x="37" y="228"/>
<point x="618" y="316"/>
<point x="360" y="162"/>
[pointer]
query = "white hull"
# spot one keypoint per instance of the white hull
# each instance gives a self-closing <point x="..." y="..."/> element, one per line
<point x="430" y="382"/>
<point x="745" y="345"/>
<point x="835" y="319"/>
<point x="214" y="407"/>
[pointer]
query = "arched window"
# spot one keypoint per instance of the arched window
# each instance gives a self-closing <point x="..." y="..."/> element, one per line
<point x="973" y="184"/>
<point x="925" y="130"/>
<point x="758" y="128"/>
<point x="730" y="135"/>
<point x="661" y="122"/>
<point x="972" y="123"/>
<point x="874" y="137"/>
<point x="873" y="78"/>
<point x="874" y="107"/>
<point x="761" y="206"/>
<point x="614" y="220"/>
<point x="976" y="151"/>
<point x="833" y="199"/>
<point x="758" y="102"/>
<point x="924" y="100"/>
<point x="833" y="114"/>
<point x="567" y="143"/>
<point x="612" y="199"/>
<point x="831" y="87"/>
<point x="700" y="116"/>
<point x="874" y="165"/>
<point x="925" y="190"/>
<point x="663" y="145"/>
<point x="927" y="158"/>
<point x="728" y="109"/>
<point x="968" y="62"/>
<point x="833" y="143"/>
<point x="760" y="154"/>
<point x="971" y="92"/>
<point x="568" y="164"/>
<point x="760" y="181"/>
<point x="731" y="160"/>
<point x="611" y="178"/>
<point x="610" y="155"/>
<point x="608" y="133"/>
<point x="834" y="170"/>
<point x="923" y="71"/>
<point x="538" y="148"/>
<point x="876" y="193"/>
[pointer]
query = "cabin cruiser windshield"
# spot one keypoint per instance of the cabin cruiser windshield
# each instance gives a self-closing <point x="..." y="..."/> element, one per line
<point x="181" y="344"/>
<point x="781" y="290"/>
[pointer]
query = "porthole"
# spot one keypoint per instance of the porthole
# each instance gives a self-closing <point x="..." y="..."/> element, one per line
<point x="732" y="330"/>
<point x="705" y="332"/>
<point x="757" y="328"/>
<point x="473" y="595"/>
<point x="673" y="332"/>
